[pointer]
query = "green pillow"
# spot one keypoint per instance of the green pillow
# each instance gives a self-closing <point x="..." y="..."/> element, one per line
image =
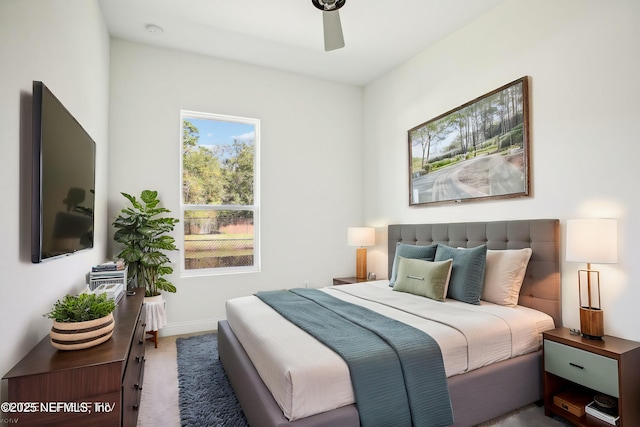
<point x="467" y="272"/>
<point x="424" y="278"/>
<point x="426" y="253"/>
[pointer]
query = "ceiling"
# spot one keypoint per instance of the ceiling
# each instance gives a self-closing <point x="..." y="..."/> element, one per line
<point x="287" y="34"/>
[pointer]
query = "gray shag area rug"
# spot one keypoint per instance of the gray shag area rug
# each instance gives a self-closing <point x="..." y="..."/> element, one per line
<point x="207" y="400"/>
<point x="205" y="395"/>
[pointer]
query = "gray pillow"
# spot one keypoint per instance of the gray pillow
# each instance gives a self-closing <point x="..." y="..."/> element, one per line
<point x="467" y="272"/>
<point x="424" y="278"/>
<point x="425" y="253"/>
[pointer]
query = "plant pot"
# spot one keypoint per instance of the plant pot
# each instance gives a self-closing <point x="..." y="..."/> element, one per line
<point x="79" y="335"/>
<point x="156" y="317"/>
<point x="156" y="299"/>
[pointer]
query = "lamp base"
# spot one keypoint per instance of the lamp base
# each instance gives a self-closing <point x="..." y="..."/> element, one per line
<point x="361" y="263"/>
<point x="592" y="323"/>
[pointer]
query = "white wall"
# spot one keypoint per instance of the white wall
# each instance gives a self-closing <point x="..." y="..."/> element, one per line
<point x="311" y="165"/>
<point x="583" y="59"/>
<point x="65" y="44"/>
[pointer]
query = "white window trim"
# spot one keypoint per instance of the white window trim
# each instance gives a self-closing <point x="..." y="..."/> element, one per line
<point x="255" y="208"/>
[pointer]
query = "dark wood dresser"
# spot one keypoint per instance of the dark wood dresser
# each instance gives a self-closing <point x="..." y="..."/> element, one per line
<point x="98" y="386"/>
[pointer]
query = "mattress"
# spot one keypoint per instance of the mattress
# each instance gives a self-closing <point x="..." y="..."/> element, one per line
<point x="307" y="378"/>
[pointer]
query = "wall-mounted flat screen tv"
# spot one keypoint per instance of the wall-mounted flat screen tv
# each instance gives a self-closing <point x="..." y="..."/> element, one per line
<point x="63" y="180"/>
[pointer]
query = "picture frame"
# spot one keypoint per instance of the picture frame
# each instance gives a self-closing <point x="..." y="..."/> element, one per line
<point x="477" y="151"/>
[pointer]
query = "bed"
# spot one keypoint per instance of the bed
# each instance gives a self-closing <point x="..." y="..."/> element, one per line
<point x="476" y="395"/>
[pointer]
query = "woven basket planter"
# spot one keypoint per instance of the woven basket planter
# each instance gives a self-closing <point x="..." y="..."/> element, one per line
<point x="79" y="335"/>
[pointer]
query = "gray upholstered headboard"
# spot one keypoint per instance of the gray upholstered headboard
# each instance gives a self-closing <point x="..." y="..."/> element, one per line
<point x="541" y="286"/>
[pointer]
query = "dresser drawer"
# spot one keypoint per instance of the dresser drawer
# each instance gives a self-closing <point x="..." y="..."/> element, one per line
<point x="134" y="374"/>
<point x="132" y="392"/>
<point x="588" y="369"/>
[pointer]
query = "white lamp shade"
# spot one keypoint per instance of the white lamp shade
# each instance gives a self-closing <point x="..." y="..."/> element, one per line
<point x="361" y="236"/>
<point x="593" y="240"/>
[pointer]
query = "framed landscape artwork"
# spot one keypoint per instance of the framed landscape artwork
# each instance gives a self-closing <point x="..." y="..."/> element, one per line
<point x="478" y="151"/>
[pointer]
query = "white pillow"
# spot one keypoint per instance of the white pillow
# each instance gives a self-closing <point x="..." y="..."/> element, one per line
<point x="503" y="275"/>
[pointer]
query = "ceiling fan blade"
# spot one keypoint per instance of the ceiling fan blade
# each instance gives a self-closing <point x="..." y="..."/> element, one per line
<point x="333" y="38"/>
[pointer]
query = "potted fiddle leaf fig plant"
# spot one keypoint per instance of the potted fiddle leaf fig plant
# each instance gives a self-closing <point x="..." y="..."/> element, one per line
<point x="81" y="321"/>
<point x="145" y="236"/>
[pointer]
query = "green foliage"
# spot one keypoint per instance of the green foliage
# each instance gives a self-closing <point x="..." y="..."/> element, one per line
<point x="220" y="176"/>
<point x="238" y="174"/>
<point x="190" y="136"/>
<point x="513" y="137"/>
<point x="217" y="176"/>
<point x="81" y="308"/>
<point x="202" y="182"/>
<point x="145" y="237"/>
<point x="444" y="162"/>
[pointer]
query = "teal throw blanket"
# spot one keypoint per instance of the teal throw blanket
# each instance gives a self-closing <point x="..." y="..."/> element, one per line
<point x="397" y="372"/>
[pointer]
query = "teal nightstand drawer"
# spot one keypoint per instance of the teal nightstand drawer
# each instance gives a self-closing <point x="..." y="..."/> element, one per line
<point x="590" y="370"/>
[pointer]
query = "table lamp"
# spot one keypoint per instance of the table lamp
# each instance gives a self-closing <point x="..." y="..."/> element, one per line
<point x="361" y="237"/>
<point x="591" y="241"/>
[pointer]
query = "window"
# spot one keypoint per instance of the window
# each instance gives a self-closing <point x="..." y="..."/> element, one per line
<point x="220" y="203"/>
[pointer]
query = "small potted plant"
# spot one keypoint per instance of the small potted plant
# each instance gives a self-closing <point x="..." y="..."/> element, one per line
<point x="145" y="236"/>
<point x="81" y="321"/>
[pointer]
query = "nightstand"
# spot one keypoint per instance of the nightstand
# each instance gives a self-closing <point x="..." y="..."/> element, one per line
<point x="574" y="366"/>
<point x="347" y="280"/>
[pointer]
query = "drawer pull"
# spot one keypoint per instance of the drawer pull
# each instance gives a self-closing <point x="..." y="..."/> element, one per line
<point x="576" y="366"/>
<point x="137" y="386"/>
<point x="135" y="407"/>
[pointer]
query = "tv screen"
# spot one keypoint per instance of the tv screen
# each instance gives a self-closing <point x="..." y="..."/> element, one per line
<point x="63" y="180"/>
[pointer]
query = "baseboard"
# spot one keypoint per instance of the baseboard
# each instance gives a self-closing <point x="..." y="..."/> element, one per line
<point x="189" y="328"/>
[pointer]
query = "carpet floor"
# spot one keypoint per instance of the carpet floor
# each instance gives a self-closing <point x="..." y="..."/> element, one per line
<point x="205" y="395"/>
<point x="186" y="369"/>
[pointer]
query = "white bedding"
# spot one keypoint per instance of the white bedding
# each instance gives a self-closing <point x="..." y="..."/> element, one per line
<point x="307" y="378"/>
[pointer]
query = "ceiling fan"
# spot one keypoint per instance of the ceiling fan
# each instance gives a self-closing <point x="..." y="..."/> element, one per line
<point x="333" y="38"/>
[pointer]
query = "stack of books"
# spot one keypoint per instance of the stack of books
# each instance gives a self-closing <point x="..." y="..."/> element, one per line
<point x="109" y="266"/>
<point x="112" y="272"/>
<point x="114" y="291"/>
<point x="609" y="416"/>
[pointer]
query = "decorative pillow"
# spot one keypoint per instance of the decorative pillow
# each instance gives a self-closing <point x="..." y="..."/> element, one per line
<point x="424" y="278"/>
<point x="467" y="272"/>
<point x="503" y="276"/>
<point x="426" y="253"/>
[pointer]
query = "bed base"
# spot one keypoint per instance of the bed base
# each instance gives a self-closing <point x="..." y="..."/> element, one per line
<point x="476" y="396"/>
